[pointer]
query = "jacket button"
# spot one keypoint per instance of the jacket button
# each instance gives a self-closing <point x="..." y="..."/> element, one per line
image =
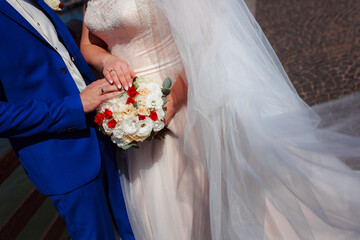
<point x="63" y="70"/>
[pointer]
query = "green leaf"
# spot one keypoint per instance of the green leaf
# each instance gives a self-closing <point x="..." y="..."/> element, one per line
<point x="164" y="100"/>
<point x="136" y="105"/>
<point x="167" y="83"/>
<point x="165" y="91"/>
<point x="127" y="146"/>
<point x="136" y="85"/>
<point x="121" y="94"/>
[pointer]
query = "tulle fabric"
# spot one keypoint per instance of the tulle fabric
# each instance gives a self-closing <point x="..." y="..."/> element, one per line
<point x="275" y="165"/>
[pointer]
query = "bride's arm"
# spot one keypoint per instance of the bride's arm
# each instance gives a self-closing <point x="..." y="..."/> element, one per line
<point x="95" y="53"/>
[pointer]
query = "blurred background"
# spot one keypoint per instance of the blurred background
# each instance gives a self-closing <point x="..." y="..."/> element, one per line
<point x="318" y="42"/>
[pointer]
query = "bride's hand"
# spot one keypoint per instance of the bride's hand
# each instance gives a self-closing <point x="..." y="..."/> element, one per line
<point x="170" y="110"/>
<point x="176" y="99"/>
<point x="118" y="72"/>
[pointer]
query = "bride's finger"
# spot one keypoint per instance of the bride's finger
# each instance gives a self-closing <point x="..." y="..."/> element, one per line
<point x="127" y="76"/>
<point x="123" y="79"/>
<point x="114" y="76"/>
<point x="107" y="76"/>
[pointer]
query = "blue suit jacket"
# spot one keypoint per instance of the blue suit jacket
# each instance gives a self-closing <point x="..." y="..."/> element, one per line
<point x="40" y="108"/>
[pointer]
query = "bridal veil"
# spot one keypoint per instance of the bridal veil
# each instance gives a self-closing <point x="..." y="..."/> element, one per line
<point x="274" y="164"/>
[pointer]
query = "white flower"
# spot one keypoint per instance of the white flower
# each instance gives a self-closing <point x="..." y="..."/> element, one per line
<point x="118" y="141"/>
<point x="122" y="112"/>
<point x="141" y="101"/>
<point x="143" y="79"/>
<point x="129" y="125"/>
<point x="55" y="5"/>
<point x="154" y="89"/>
<point x="158" y="125"/>
<point x="143" y="110"/>
<point x="117" y="131"/>
<point x="144" y="127"/>
<point x="161" y="113"/>
<point x="154" y="102"/>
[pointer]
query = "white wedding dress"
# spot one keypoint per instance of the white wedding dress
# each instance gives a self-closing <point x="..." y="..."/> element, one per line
<point x="273" y="163"/>
<point x="166" y="193"/>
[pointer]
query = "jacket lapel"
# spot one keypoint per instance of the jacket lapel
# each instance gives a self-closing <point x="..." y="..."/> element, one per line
<point x="59" y="25"/>
<point x="63" y="33"/>
<point x="68" y="41"/>
<point x="9" y="11"/>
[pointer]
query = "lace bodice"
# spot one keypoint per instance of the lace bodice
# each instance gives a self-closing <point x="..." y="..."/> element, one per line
<point x="130" y="29"/>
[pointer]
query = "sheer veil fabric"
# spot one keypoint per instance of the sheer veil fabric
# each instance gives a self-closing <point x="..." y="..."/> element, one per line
<point x="273" y="163"/>
<point x="246" y="146"/>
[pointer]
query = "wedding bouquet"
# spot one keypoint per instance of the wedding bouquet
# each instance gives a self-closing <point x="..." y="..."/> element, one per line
<point x="136" y="114"/>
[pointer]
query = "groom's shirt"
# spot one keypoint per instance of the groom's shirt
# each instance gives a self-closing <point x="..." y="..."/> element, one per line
<point x="44" y="26"/>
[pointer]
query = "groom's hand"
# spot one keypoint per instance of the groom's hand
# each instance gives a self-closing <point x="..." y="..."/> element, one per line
<point x="96" y="93"/>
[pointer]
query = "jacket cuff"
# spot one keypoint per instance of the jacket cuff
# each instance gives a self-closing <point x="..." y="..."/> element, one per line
<point x="77" y="118"/>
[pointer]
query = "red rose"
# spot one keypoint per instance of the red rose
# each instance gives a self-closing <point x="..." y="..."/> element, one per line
<point x="132" y="92"/>
<point x="61" y="5"/>
<point x="130" y="100"/>
<point x="141" y="117"/>
<point x="153" y="116"/>
<point x="112" y="123"/>
<point x="107" y="114"/>
<point x="99" y="118"/>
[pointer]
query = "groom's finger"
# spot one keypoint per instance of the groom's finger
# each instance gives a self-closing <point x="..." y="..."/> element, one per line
<point x="109" y="88"/>
<point x="109" y="95"/>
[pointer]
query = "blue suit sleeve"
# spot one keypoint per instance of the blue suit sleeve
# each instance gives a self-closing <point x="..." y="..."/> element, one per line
<point x="35" y="117"/>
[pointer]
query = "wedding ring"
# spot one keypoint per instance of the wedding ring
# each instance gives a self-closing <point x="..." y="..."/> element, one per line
<point x="102" y="91"/>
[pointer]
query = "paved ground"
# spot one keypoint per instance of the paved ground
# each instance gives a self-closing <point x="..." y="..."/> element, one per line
<point x="318" y="42"/>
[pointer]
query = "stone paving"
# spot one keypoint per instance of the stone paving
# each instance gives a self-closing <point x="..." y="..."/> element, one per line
<point x="318" y="42"/>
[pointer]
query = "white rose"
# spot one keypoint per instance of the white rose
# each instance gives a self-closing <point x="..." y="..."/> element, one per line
<point x="129" y="126"/>
<point x="118" y="141"/>
<point x="103" y="106"/>
<point x="154" y="89"/>
<point x="122" y="112"/>
<point x="111" y="103"/>
<point x="143" y="79"/>
<point x="118" y="131"/>
<point x="154" y="102"/>
<point x="161" y="113"/>
<point x="144" y="127"/>
<point x="140" y="100"/>
<point x="55" y="5"/>
<point x="158" y="125"/>
<point x="143" y="110"/>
